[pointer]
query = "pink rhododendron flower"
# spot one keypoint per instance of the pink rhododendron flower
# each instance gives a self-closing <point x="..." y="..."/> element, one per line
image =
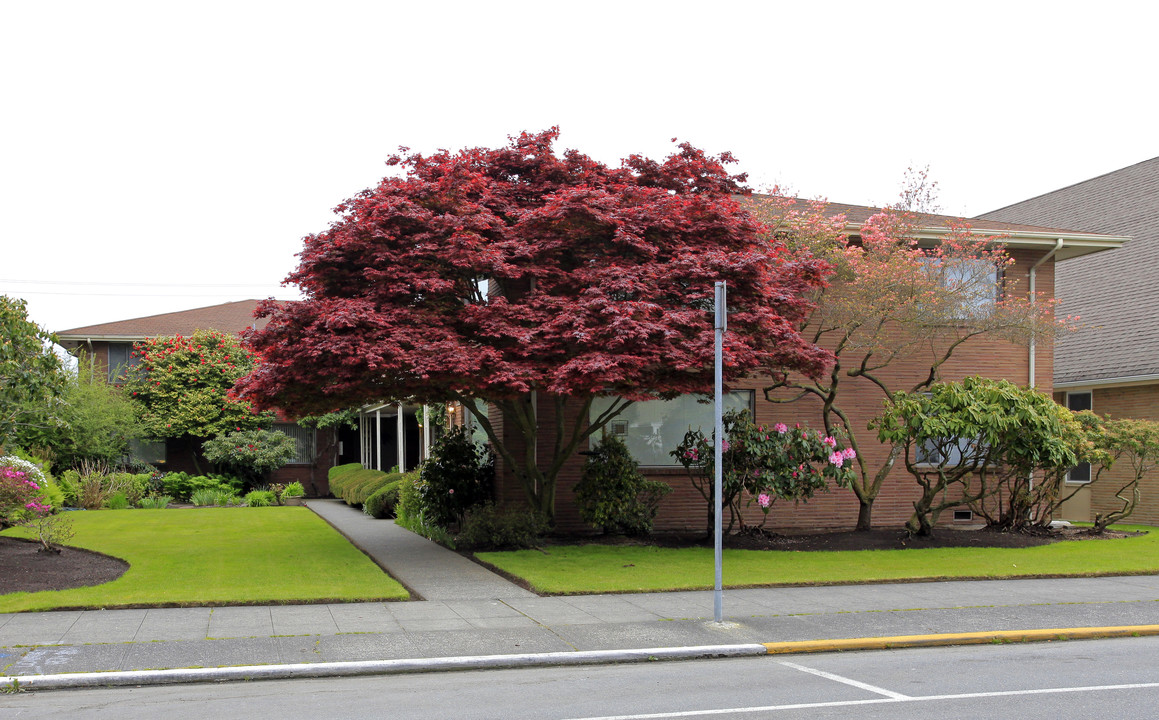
<point x="830" y="441"/>
<point x="781" y="428"/>
<point x="838" y="459"/>
<point x="724" y="446"/>
<point x="764" y="500"/>
<point x="849" y="453"/>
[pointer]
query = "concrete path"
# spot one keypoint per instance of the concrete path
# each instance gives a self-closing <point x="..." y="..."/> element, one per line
<point x="427" y="569"/>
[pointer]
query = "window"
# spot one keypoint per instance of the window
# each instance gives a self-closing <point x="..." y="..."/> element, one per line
<point x="1076" y="401"/>
<point x="120" y="360"/>
<point x="974" y="283"/>
<point x="148" y="451"/>
<point x="303" y="439"/>
<point x="653" y="428"/>
<point x="950" y="453"/>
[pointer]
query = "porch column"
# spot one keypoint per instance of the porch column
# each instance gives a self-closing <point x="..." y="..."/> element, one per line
<point x="378" y="438"/>
<point x="426" y="453"/>
<point x="401" y="442"/>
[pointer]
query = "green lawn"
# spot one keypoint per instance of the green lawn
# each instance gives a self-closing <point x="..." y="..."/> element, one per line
<point x="614" y="569"/>
<point x="216" y="556"/>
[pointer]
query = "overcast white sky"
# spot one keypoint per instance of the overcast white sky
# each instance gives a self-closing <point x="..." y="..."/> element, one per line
<point x="160" y="156"/>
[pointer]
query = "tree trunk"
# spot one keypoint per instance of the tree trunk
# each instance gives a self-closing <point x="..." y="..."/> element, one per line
<point x="865" y="514"/>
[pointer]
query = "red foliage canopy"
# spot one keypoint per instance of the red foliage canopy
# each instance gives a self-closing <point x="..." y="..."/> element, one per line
<point x="600" y="281"/>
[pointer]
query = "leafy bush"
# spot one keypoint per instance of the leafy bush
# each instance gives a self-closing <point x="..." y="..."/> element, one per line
<point x="69" y="482"/>
<point x="260" y="498"/>
<point x="226" y="498"/>
<point x="204" y="497"/>
<point x="154" y="502"/>
<point x="182" y="485"/>
<point x="489" y="527"/>
<point x="294" y="489"/>
<point x="458" y="475"/>
<point x="93" y="491"/>
<point x="409" y="506"/>
<point x="252" y="454"/>
<point x="117" y="501"/>
<point x="613" y="495"/>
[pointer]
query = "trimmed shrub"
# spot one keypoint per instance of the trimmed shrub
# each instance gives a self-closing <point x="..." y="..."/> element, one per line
<point x="382" y="503"/>
<point x="458" y="475"/>
<point x="336" y="474"/>
<point x="487" y="527"/>
<point x="356" y="473"/>
<point x="357" y="493"/>
<point x="613" y="495"/>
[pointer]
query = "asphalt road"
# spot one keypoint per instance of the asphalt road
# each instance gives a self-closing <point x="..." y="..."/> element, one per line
<point x="1093" y="678"/>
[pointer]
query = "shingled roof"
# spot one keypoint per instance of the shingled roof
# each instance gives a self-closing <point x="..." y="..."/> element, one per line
<point x="1113" y="293"/>
<point x="231" y="317"/>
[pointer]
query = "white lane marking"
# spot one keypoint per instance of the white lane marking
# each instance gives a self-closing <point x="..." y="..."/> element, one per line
<point x="845" y="680"/>
<point x="874" y="701"/>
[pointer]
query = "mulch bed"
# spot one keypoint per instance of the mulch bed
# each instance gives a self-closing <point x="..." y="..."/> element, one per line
<point x="891" y="539"/>
<point x="23" y="568"/>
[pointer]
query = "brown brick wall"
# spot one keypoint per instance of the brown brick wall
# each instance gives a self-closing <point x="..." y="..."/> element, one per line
<point x="1141" y="403"/>
<point x="685" y="509"/>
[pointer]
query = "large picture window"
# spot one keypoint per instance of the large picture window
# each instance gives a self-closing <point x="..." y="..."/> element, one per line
<point x="654" y="428"/>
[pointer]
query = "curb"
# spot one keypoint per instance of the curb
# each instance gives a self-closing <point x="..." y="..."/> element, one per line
<point x="947" y="639"/>
<point x="141" y="678"/>
<point x="137" y="678"/>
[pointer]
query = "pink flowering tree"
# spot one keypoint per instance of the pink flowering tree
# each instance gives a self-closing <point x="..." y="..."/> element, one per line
<point x="763" y="464"/>
<point x="895" y="312"/>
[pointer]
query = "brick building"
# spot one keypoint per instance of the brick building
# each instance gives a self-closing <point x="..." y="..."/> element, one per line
<point x="111" y="344"/>
<point x="651" y="429"/>
<point x="1111" y="365"/>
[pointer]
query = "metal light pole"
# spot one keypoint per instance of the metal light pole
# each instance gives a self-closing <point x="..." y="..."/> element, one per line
<point x="721" y="325"/>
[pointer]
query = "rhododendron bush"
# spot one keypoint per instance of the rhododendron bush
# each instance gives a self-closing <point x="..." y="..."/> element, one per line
<point x="490" y="274"/>
<point x="182" y="386"/>
<point x="762" y="464"/>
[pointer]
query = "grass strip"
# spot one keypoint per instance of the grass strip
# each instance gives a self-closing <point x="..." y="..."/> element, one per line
<point x="216" y="556"/>
<point x="579" y="569"/>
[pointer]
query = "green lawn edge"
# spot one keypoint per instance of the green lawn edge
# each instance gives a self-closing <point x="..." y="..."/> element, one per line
<point x="216" y="556"/>
<point x="595" y="568"/>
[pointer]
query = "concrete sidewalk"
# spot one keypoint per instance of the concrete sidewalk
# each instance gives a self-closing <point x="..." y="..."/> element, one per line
<point x="487" y="617"/>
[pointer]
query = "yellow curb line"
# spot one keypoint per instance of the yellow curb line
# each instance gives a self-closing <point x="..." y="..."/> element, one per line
<point x="975" y="638"/>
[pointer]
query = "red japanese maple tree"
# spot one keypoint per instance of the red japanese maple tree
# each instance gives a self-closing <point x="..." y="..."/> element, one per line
<point x="492" y="273"/>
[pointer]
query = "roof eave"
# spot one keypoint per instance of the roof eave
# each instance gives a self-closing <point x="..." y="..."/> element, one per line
<point x="1074" y="244"/>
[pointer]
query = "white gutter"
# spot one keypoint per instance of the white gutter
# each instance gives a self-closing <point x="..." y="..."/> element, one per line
<point x="1058" y="243"/>
<point x="1122" y="381"/>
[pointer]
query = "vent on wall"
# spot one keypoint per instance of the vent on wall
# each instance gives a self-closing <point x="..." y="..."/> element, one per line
<point x="963" y="515"/>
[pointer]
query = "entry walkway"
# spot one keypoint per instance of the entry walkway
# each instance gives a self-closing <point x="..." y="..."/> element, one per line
<point x="427" y="569"/>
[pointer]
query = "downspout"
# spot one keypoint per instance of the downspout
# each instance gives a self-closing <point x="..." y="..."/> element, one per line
<point x="1033" y="276"/>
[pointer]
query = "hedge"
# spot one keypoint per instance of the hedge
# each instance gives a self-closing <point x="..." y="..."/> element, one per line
<point x="381" y="503"/>
<point x="341" y="476"/>
<point x="365" y="484"/>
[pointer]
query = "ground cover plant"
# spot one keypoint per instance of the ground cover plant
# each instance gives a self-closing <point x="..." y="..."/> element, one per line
<point x="599" y="568"/>
<point x="215" y="557"/>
